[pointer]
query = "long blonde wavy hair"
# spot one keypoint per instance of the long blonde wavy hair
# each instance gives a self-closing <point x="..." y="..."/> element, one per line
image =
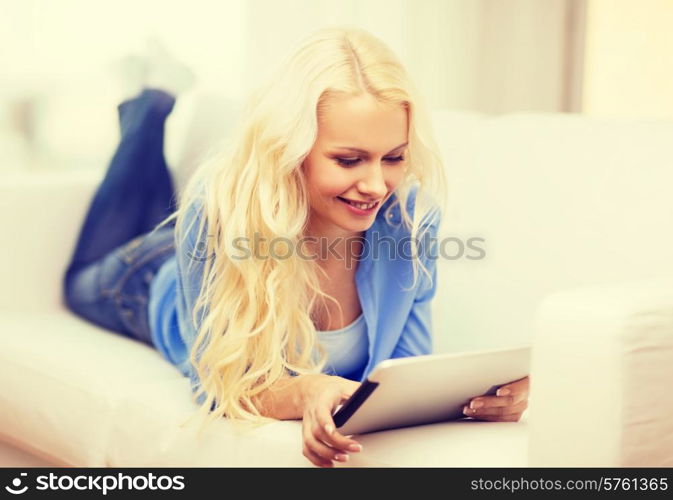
<point x="256" y="326"/>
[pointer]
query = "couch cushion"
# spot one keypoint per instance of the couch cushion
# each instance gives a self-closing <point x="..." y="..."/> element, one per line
<point x="85" y="396"/>
<point x="602" y="363"/>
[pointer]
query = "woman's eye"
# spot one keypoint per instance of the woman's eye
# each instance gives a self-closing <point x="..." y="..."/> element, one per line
<point x="353" y="161"/>
<point x="348" y="162"/>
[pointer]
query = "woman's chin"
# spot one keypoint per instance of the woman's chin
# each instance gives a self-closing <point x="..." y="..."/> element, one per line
<point x="355" y="226"/>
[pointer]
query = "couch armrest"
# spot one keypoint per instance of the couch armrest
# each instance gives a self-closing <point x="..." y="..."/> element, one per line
<point x="601" y="370"/>
<point x="40" y="214"/>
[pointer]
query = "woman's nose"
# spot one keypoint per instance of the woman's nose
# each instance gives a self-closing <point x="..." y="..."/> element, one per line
<point x="373" y="183"/>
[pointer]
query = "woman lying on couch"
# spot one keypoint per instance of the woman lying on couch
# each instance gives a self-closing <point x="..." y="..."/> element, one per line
<point x="269" y="285"/>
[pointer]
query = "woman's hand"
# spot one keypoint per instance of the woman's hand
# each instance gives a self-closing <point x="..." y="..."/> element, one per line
<point x="507" y="405"/>
<point x="322" y="443"/>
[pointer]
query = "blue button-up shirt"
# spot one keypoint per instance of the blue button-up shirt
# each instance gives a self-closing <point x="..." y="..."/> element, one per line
<point x="398" y="320"/>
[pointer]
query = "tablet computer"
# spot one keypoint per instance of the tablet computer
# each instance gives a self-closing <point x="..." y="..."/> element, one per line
<point x="430" y="388"/>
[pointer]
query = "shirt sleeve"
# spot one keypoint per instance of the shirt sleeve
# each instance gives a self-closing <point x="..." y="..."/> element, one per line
<point x="416" y="337"/>
<point x="191" y="258"/>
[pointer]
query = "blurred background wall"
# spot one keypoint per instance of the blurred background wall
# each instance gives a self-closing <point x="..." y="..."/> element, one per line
<point x="629" y="62"/>
<point x="58" y="90"/>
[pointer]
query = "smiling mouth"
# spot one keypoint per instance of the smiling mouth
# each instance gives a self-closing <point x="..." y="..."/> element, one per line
<point x="362" y="206"/>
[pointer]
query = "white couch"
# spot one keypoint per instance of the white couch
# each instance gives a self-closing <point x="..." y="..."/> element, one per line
<point x="576" y="218"/>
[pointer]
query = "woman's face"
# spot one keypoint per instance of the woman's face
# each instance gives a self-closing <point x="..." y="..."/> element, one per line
<point x="358" y="156"/>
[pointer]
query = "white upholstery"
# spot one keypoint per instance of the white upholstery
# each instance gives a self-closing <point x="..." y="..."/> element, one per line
<point x="603" y="360"/>
<point x="563" y="202"/>
<point x="109" y="401"/>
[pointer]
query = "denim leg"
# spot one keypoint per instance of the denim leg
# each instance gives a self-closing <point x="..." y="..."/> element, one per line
<point x="113" y="292"/>
<point x="137" y="190"/>
<point x="107" y="280"/>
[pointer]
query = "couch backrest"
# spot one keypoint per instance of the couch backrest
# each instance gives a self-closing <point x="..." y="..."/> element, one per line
<point x="41" y="214"/>
<point x="561" y="201"/>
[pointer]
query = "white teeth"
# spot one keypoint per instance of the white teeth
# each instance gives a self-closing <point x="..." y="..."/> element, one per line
<point x="362" y="206"/>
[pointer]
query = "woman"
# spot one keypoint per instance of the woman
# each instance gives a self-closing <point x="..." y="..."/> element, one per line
<point x="269" y="285"/>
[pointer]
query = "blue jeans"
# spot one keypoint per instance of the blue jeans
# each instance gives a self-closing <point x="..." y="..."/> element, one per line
<point x="116" y="256"/>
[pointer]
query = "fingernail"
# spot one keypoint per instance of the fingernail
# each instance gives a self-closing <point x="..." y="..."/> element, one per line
<point x="355" y="447"/>
<point x="329" y="428"/>
<point x="502" y="392"/>
<point x="467" y="410"/>
<point x="476" y="404"/>
<point x="341" y="457"/>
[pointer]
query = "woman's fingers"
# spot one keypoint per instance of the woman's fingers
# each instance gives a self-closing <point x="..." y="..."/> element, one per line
<point x="330" y="436"/>
<point x="325" y="452"/>
<point x="315" y="458"/>
<point x="322" y="442"/>
<point x="510" y="399"/>
<point x="491" y="401"/>
<point x="517" y="389"/>
<point x="326" y="432"/>
<point x="317" y="452"/>
<point x="496" y="411"/>
<point x="315" y="444"/>
<point x="499" y="410"/>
